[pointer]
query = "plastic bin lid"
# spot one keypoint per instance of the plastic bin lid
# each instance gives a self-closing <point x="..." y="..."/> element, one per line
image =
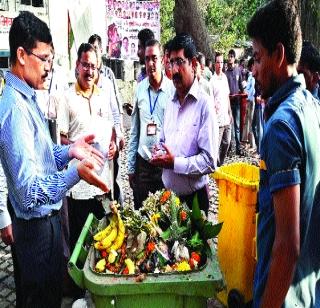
<point x="242" y="174"/>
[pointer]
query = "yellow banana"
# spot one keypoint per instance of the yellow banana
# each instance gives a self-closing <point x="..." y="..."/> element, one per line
<point x="112" y="256"/>
<point x="121" y="225"/>
<point x="120" y="237"/>
<point x="105" y="232"/>
<point x="118" y="242"/>
<point x="129" y="263"/>
<point x="101" y="265"/>
<point x="107" y="241"/>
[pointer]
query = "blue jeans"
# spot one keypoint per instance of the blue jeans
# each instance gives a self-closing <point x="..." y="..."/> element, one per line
<point x="257" y="124"/>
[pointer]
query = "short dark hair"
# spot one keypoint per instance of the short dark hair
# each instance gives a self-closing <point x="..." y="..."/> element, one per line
<point x="310" y="57"/>
<point x="166" y="46"/>
<point x="278" y="22"/>
<point x="145" y="35"/>
<point x="250" y="62"/>
<point x="200" y="56"/>
<point x="184" y="41"/>
<point x="218" y="54"/>
<point x="26" y="30"/>
<point x="154" y="42"/>
<point x="95" y="37"/>
<point x="232" y="52"/>
<point x="85" y="47"/>
<point x="208" y="61"/>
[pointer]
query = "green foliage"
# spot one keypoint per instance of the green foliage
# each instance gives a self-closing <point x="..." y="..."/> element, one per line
<point x="166" y="19"/>
<point x="226" y="20"/>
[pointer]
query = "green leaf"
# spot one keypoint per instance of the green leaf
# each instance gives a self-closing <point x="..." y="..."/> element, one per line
<point x="207" y="250"/>
<point x="210" y="231"/>
<point x="166" y="234"/>
<point x="196" y="213"/>
<point x="196" y="242"/>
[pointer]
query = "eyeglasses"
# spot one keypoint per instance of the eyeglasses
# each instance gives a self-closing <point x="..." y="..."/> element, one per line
<point x="179" y="62"/>
<point x="44" y="60"/>
<point x="86" y="66"/>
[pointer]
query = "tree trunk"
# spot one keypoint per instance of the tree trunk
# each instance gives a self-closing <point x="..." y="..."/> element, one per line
<point x="310" y="21"/>
<point x="187" y="19"/>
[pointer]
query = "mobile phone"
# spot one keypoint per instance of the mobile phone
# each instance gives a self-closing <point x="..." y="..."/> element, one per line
<point x="147" y="151"/>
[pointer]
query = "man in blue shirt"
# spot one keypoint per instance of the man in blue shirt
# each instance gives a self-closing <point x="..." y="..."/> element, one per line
<point x="34" y="166"/>
<point x="151" y="97"/>
<point x="288" y="225"/>
<point x="309" y="66"/>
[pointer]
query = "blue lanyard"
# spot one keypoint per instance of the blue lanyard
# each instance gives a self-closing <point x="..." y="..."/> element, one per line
<point x="155" y="101"/>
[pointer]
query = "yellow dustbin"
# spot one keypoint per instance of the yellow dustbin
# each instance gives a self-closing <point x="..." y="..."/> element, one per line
<point x="238" y="185"/>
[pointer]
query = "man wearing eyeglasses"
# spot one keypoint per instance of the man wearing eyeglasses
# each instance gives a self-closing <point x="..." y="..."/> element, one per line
<point x="86" y="108"/>
<point x="190" y="130"/>
<point x="34" y="168"/>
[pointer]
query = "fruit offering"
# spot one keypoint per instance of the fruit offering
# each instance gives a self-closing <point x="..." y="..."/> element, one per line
<point x="163" y="236"/>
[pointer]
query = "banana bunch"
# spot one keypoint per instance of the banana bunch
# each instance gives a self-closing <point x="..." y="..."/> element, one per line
<point x="105" y="232"/>
<point x="112" y="237"/>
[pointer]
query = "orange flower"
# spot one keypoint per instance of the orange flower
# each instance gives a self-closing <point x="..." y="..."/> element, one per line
<point x="165" y="196"/>
<point x="183" y="215"/>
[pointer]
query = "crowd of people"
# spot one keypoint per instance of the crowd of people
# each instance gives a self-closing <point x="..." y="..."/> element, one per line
<point x="61" y="156"/>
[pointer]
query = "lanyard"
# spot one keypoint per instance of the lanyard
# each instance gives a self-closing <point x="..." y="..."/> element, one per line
<point x="155" y="101"/>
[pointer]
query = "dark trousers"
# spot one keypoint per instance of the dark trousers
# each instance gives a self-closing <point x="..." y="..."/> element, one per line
<point x="224" y="142"/>
<point x="235" y="108"/>
<point x="203" y="199"/>
<point x="257" y="124"/>
<point x="147" y="179"/>
<point x="78" y="211"/>
<point x="38" y="261"/>
<point x="116" y="188"/>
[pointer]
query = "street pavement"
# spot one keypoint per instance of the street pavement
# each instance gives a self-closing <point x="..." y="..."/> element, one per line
<point x="7" y="287"/>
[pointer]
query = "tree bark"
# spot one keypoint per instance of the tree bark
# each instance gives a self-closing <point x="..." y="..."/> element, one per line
<point x="187" y="19"/>
<point x="310" y="21"/>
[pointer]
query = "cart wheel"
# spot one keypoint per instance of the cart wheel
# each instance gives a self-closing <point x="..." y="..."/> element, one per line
<point x="235" y="299"/>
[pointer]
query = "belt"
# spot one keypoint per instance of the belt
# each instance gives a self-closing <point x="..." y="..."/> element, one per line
<point x="52" y="213"/>
<point x="103" y="197"/>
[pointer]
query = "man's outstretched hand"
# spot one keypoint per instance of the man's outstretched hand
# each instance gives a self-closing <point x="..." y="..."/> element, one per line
<point x="82" y="149"/>
<point x="87" y="171"/>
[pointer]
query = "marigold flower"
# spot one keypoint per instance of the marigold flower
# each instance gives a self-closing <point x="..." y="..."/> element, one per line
<point x="155" y="218"/>
<point x="183" y="266"/>
<point x="183" y="215"/>
<point x="165" y="196"/>
<point x="177" y="201"/>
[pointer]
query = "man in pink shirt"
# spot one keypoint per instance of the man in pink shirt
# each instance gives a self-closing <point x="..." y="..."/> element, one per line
<point x="190" y="132"/>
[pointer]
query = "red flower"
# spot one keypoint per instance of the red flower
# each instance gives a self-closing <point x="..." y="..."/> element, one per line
<point x="151" y="247"/>
<point x="195" y="256"/>
<point x="183" y="215"/>
<point x="103" y="254"/>
<point x="165" y="196"/>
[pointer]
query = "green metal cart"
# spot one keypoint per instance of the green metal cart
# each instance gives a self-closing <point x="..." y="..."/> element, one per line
<point x="162" y="290"/>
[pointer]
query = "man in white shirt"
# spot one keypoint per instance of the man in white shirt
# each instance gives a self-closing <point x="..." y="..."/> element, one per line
<point x="86" y="108"/>
<point x="220" y="88"/>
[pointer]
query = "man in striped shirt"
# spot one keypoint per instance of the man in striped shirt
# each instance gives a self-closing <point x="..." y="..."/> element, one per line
<point x="34" y="167"/>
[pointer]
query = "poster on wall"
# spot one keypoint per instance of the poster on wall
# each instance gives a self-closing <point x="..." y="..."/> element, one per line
<point x="6" y="18"/>
<point x="124" y="20"/>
